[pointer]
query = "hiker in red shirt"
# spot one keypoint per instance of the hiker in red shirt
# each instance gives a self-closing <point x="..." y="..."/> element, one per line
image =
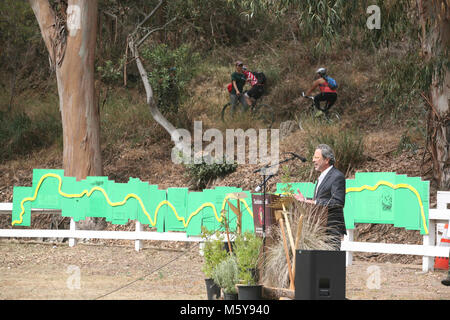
<point x="257" y="89"/>
<point x="326" y="93"/>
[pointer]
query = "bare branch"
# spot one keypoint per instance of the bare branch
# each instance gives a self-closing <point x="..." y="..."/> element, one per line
<point x="114" y="16"/>
<point x="147" y="17"/>
<point x="157" y="115"/>
<point x="154" y="30"/>
<point x="134" y="44"/>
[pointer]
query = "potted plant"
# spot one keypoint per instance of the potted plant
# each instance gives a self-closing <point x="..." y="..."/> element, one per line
<point x="247" y="248"/>
<point x="226" y="275"/>
<point x="213" y="254"/>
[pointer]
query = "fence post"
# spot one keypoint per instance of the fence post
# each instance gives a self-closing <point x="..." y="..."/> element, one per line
<point x="73" y="227"/>
<point x="137" y="242"/>
<point x="349" y="254"/>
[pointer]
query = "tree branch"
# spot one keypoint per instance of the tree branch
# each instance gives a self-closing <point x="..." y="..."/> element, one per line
<point x="156" y="114"/>
<point x="154" y="30"/>
<point x="46" y="18"/>
<point x="147" y="17"/>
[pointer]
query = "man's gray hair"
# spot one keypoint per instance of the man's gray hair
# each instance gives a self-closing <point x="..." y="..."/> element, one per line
<point x="327" y="153"/>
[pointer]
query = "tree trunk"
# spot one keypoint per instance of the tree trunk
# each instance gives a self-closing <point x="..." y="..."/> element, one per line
<point x="434" y="18"/>
<point x="71" y="47"/>
<point x="70" y="37"/>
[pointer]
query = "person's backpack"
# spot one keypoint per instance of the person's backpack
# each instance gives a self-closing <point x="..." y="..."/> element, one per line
<point x="331" y="83"/>
<point x="230" y="87"/>
<point x="260" y="76"/>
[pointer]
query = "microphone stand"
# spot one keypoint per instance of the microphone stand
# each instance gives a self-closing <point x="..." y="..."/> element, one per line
<point x="263" y="170"/>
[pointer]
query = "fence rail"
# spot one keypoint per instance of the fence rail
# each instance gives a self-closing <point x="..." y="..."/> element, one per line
<point x="73" y="233"/>
<point x="429" y="248"/>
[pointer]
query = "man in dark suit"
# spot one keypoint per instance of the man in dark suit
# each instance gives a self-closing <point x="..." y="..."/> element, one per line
<point x="329" y="191"/>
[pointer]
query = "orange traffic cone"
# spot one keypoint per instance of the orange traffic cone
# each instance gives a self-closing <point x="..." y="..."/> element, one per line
<point x="441" y="262"/>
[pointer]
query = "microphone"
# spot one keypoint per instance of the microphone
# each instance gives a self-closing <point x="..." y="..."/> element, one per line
<point x="297" y="156"/>
<point x="259" y="188"/>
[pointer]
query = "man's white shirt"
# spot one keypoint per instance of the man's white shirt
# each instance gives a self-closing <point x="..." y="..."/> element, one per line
<point x="321" y="177"/>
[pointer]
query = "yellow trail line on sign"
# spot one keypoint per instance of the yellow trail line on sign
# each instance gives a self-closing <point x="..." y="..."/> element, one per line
<point x="397" y="186"/>
<point x="128" y="196"/>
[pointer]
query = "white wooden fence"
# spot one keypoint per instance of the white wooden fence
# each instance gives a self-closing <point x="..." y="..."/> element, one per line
<point x="429" y="249"/>
<point x="73" y="233"/>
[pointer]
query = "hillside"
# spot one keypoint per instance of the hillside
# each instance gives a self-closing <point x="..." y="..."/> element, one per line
<point x="381" y="128"/>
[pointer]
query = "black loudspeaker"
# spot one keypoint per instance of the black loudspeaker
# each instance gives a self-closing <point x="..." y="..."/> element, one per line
<point x="319" y="275"/>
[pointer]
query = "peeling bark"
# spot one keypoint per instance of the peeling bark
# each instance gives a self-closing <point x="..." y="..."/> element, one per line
<point x="71" y="47"/>
<point x="70" y="38"/>
<point x="434" y="18"/>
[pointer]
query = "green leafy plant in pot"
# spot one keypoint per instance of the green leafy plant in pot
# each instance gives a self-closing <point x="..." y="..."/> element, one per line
<point x="226" y="275"/>
<point x="247" y="248"/>
<point x="213" y="254"/>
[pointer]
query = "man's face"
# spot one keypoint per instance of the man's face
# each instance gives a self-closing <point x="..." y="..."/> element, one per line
<point x="320" y="163"/>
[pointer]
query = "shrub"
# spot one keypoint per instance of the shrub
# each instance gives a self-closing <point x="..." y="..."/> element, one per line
<point x="213" y="252"/>
<point x="22" y="134"/>
<point x="169" y="73"/>
<point x="247" y="248"/>
<point x="347" y="145"/>
<point x="226" y="274"/>
<point x="201" y="174"/>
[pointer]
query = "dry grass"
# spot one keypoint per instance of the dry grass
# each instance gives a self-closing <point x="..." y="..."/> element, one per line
<point x="313" y="237"/>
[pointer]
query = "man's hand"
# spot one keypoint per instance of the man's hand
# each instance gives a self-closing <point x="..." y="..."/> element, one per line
<point x="300" y="197"/>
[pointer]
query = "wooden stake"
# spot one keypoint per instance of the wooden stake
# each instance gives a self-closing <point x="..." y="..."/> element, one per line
<point x="286" y="251"/>
<point x="228" y="233"/>
<point x="297" y="240"/>
<point x="289" y="231"/>
<point x="239" y="217"/>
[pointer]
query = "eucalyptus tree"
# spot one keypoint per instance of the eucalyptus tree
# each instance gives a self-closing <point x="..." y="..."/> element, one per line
<point x="434" y="20"/>
<point x="69" y="30"/>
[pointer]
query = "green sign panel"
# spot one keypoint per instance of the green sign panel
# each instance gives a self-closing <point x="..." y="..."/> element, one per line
<point x="371" y="197"/>
<point x="379" y="197"/>
<point x="174" y="209"/>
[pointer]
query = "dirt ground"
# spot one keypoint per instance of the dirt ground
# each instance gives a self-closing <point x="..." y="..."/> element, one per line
<point x="101" y="271"/>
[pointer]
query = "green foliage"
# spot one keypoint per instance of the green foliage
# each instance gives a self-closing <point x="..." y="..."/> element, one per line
<point x="408" y="76"/>
<point x="169" y="72"/>
<point x="21" y="134"/>
<point x="347" y="145"/>
<point x="23" y="56"/>
<point x="109" y="73"/>
<point x="213" y="251"/>
<point x="286" y="177"/>
<point x="247" y="248"/>
<point x="405" y="144"/>
<point x="212" y="22"/>
<point x="226" y="274"/>
<point x="201" y="174"/>
<point x="329" y="21"/>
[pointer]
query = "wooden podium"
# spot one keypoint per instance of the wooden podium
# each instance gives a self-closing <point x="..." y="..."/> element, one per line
<point x="263" y="221"/>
